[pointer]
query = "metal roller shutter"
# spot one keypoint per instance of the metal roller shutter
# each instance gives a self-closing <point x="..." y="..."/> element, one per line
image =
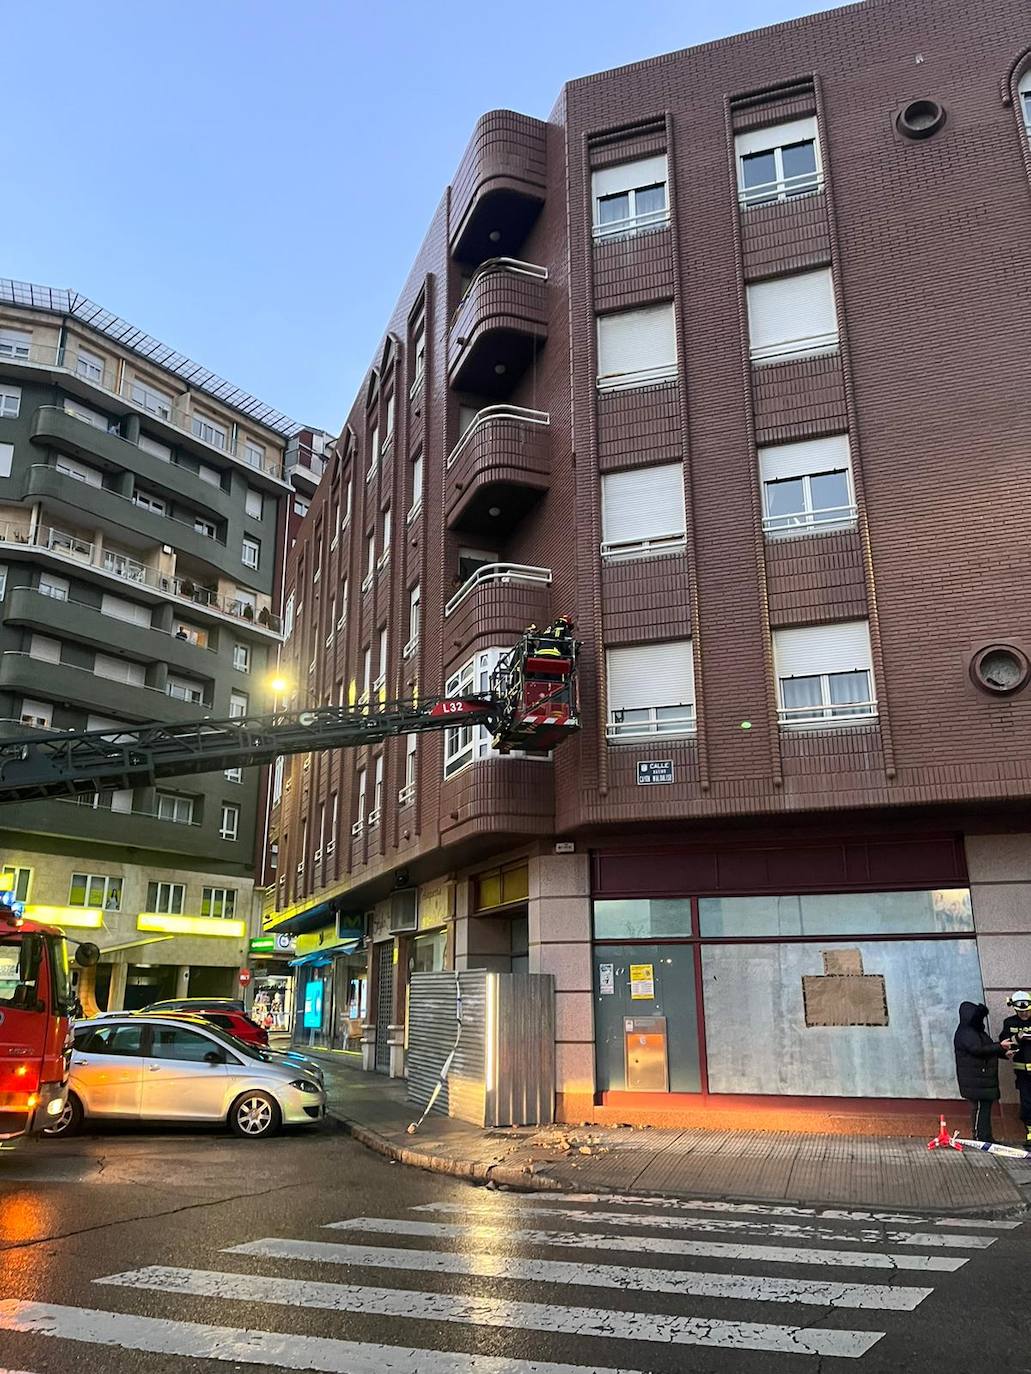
<point x="775" y="136"/>
<point x="814" y="649"/>
<point x="792" y="313"/>
<point x="646" y="675"/>
<point x="628" y="176"/>
<point x="644" y="503"/>
<point x="797" y="460"/>
<point x="633" y="342"/>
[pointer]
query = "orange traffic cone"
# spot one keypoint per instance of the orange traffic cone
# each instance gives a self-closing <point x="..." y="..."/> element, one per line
<point x="944" y="1141"/>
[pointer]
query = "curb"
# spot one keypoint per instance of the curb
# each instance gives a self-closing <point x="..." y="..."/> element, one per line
<point x="506" y="1176"/>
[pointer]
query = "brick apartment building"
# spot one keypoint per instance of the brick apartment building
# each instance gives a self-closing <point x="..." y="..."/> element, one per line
<point x="727" y="359"/>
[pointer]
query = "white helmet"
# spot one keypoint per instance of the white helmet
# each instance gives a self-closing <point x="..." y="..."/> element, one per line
<point x="1020" y="1000"/>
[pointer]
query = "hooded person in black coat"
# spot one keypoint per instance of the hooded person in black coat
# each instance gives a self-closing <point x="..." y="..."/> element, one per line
<point x="977" y="1065"/>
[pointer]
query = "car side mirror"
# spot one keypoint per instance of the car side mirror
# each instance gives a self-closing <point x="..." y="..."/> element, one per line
<point x="87" y="954"/>
<point x="213" y="1057"/>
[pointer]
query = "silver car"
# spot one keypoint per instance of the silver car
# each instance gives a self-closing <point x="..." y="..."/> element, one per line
<point x="165" y="1068"/>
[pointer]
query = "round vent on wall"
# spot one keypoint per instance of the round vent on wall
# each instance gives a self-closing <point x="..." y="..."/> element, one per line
<point x="1000" y="669"/>
<point x="920" y="119"/>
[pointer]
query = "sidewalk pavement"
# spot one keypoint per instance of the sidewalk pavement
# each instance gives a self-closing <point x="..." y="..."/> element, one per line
<point x="777" y="1166"/>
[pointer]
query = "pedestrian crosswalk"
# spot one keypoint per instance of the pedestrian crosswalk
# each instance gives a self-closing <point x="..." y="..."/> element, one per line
<point x="572" y="1285"/>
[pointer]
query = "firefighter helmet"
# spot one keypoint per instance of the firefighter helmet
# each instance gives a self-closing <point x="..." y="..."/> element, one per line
<point x="1020" y="1000"/>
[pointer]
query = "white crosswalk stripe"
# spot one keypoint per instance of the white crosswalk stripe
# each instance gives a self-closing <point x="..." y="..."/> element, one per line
<point x="656" y="1245"/>
<point x="785" y="1230"/>
<point x="504" y="1314"/>
<point x="744" y="1287"/>
<point x="589" y="1293"/>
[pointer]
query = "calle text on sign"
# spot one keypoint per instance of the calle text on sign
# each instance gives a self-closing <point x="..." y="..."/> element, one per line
<point x="653" y="771"/>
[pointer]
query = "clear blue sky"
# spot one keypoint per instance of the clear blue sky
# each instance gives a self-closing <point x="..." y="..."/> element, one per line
<point x="213" y="170"/>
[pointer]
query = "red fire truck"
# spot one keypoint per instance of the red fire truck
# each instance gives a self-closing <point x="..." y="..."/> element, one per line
<point x="35" y="1022"/>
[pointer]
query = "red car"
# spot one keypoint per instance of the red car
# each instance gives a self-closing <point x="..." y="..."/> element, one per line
<point x="225" y="1017"/>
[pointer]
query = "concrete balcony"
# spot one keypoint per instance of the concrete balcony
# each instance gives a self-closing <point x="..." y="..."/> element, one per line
<point x="498" y="327"/>
<point x="494" y="607"/>
<point x="500" y="185"/>
<point x="506" y="798"/>
<point x="502" y="464"/>
<point x="34" y="677"/>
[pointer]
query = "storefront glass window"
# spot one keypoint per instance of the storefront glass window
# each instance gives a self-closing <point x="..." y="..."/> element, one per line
<point x="428" y="952"/>
<point x="646" y="990"/>
<point x="944" y="911"/>
<point x="640" y="919"/>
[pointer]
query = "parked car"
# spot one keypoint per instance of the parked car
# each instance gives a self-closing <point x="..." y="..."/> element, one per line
<point x="254" y="1049"/>
<point x="233" y="1022"/>
<point x="195" y="1003"/>
<point x="178" y="1069"/>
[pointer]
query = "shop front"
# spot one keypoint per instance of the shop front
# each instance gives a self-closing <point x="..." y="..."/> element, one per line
<point x="797" y="976"/>
<point x="331" y="1000"/>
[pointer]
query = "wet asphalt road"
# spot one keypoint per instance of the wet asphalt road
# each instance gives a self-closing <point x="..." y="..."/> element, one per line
<point x="113" y="1256"/>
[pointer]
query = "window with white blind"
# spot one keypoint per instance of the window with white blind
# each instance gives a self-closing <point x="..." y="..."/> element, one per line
<point x="146" y="500"/>
<point x="96" y="418"/>
<point x="636" y="347"/>
<point x="370" y="561"/>
<point x="3" y="578"/>
<point x="155" y="402"/>
<point x="45" y="648"/>
<point x="413" y="621"/>
<point x="650" y="691"/>
<point x="173" y="807"/>
<point x="1024" y="96"/>
<point x="242" y="658"/>
<point x="108" y="800"/>
<point x="824" y="674"/>
<point x="119" y="670"/>
<point x="14" y="343"/>
<point x="10" y="401"/>
<point x="82" y="472"/>
<point x="377" y="792"/>
<point x="38" y="714"/>
<point x="185" y="689"/>
<point x="238" y="704"/>
<point x="389" y="423"/>
<point x="251" y="552"/>
<point x="630" y="197"/>
<point x="384" y="557"/>
<point x="807" y="486"/>
<point x="792" y="317"/>
<point x="90" y="366"/>
<point x="155" y="448"/>
<point x="54" y="587"/>
<point x="381" y="676"/>
<point x="778" y="162"/>
<point x="254" y="504"/>
<point x="416" y="501"/>
<point x="253" y="454"/>
<point x="642" y="511"/>
<point x="359" y="820"/>
<point x="6" y="459"/>
<point x="407" y="792"/>
<point x="366" y="678"/>
<point x="373" y="451"/>
<point x="114" y="729"/>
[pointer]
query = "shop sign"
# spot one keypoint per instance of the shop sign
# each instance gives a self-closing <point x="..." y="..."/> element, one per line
<point x="264" y="944"/>
<point x="654" y="771"/>
<point x="607" y="979"/>
<point x="436" y="905"/>
<point x="642" y="982"/>
<point x="285" y="944"/>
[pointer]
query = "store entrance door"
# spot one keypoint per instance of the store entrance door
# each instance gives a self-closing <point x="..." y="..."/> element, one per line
<point x="384" y="1006"/>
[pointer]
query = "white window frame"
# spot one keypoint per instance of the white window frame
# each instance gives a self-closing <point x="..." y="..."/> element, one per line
<point x="242" y="657"/>
<point x="145" y="500"/>
<point x="239" y="705"/>
<point x="331" y="840"/>
<point x="169" y="898"/>
<point x="802" y="462"/>
<point x="774" y="139"/>
<point x="80" y="472"/>
<point x="359" y="822"/>
<point x="636" y="376"/>
<point x="363" y="700"/>
<point x="55" y="587"/>
<point x="374" y="451"/>
<point x="222" y="898"/>
<point x="20" y="880"/>
<point x="209" y="431"/>
<point x="1024" y="100"/>
<point x="15" y="343"/>
<point x="10" y="401"/>
<point x="107" y="886"/>
<point x="381" y="675"/>
<point x="184" y="689"/>
<point x="38" y="714"/>
<point x="418" y="352"/>
<point x="792" y="648"/>
<point x="629" y="179"/>
<point x="233" y="774"/>
<point x="3" y="578"/>
<point x="370" y="564"/>
<point x="800" y="345"/>
<point x="277" y="778"/>
<point x="89" y="366"/>
<point x="417" y="480"/>
<point x="177" y="808"/>
<point x="229" y="825"/>
<point x="254" y="454"/>
<point x="377" y="792"/>
<point x="407" y="792"/>
<point x="150" y="399"/>
<point x="467" y="744"/>
<point x="250" y="552"/>
<point x="660" y="720"/>
<point x="254" y="504"/>
<point x="388" y="423"/>
<point x="414" y="620"/>
<point x="668" y="511"/>
<point x="207" y="529"/>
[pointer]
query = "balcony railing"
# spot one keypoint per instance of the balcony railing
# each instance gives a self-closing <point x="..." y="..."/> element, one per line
<point x="488" y="415"/>
<point x="620" y="549"/>
<point x="811" y="521"/>
<point x="505" y="573"/>
<point x="148" y="401"/>
<point x="838" y="713"/>
<point x="406" y="794"/>
<point x="512" y="266"/>
<point x="78" y="550"/>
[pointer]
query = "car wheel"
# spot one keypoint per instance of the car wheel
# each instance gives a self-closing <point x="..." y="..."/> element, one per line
<point x="255" y="1116"/>
<point x="70" y="1120"/>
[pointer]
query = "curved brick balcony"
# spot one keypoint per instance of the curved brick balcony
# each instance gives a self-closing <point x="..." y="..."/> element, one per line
<point x="498" y="327"/>
<point x="501" y="463"/>
<point x="499" y="186"/>
<point x="493" y="609"/>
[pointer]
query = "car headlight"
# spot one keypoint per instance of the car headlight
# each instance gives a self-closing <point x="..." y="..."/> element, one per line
<point x="305" y="1085"/>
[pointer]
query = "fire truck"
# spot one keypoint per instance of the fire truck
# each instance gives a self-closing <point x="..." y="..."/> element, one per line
<point x="532" y="705"/>
<point x="35" y="1020"/>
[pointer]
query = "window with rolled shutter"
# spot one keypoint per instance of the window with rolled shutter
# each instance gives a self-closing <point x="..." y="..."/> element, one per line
<point x="636" y="347"/>
<point x="650" y="691"/>
<point x="642" y="511"/>
<point x="824" y="674"/>
<point x="807" y="486"/>
<point x="779" y="161"/>
<point x="630" y="197"/>
<point x="792" y="316"/>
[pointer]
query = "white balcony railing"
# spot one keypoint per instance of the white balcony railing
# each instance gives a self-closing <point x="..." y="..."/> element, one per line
<point x="129" y="392"/>
<point x="651" y="723"/>
<point x="643" y="548"/>
<point x="505" y="573"/>
<point x="490" y="414"/>
<point x="513" y="267"/>
<point x="406" y="794"/>
<point x="841" y="713"/>
<point x="374" y="816"/>
<point x="802" y="347"/>
<point x="411" y="646"/>
<point x="357" y="828"/>
<point x="810" y="521"/>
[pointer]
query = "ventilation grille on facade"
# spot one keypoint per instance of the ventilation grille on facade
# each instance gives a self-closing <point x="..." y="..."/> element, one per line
<point x="404" y="910"/>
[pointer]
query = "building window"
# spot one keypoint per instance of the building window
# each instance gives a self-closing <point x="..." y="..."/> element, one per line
<point x="651" y="691"/>
<point x="10" y="401"/>
<point x="377" y="792"/>
<point x="205" y="527"/>
<point x="166" y="898"/>
<point x="418" y="351"/>
<point x="824" y="674"/>
<point x="407" y="792"/>
<point x="416" y="496"/>
<point x="95" y="418"/>
<point x="218" y="902"/>
<point x="636" y="347"/>
<point x="413" y="621"/>
<point x="233" y="775"/>
<point x="89" y="366"/>
<point x="384" y="557"/>
<point x="108" y="800"/>
<point x="129" y="612"/>
<point x="173" y="807"/>
<point x="3" y="578"/>
<point x="209" y="431"/>
<point x="119" y="670"/>
<point x="778" y="162"/>
<point x="348" y="497"/>
<point x="468" y="743"/>
<point x="82" y="472"/>
<point x="792" y="317"/>
<point x="370" y="561"/>
<point x="14" y="343"/>
<point x="54" y="587"/>
<point x="301" y="506"/>
<point x="6" y="459"/>
<point x="630" y="197"/>
<point x="95" y="890"/>
<point x="209" y="474"/>
<point x="359" y="820"/>
<point x="38" y="714"/>
<point x="366" y="678"/>
<point x="183" y="630"/>
<point x="388" y="429"/>
<point x="1024" y="96"/>
<point x="146" y="501"/>
<point x="331" y="838"/>
<point x="185" y="689"/>
<point x="288" y="617"/>
<point x="254" y="504"/>
<point x="277" y="779"/>
<point x="807" y="486"/>
<point x="642" y="512"/>
<point x="253" y="454"/>
<point x="16" y="880"/>
<point x="251" y="551"/>
<point x="238" y="704"/>
<point x="45" y="648"/>
<point x="242" y="658"/>
<point x="373" y="451"/>
<point x="229" y="828"/>
<point x="151" y="400"/>
<point x="381" y="678"/>
<point x="154" y="447"/>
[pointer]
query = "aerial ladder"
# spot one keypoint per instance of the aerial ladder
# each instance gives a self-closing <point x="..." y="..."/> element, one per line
<point x="532" y="705"/>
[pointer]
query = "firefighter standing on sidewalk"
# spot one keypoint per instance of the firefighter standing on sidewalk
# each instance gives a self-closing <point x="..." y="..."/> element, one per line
<point x="1017" y="1028"/>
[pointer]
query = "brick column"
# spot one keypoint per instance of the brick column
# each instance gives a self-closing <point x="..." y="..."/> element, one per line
<point x="560" y="944"/>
